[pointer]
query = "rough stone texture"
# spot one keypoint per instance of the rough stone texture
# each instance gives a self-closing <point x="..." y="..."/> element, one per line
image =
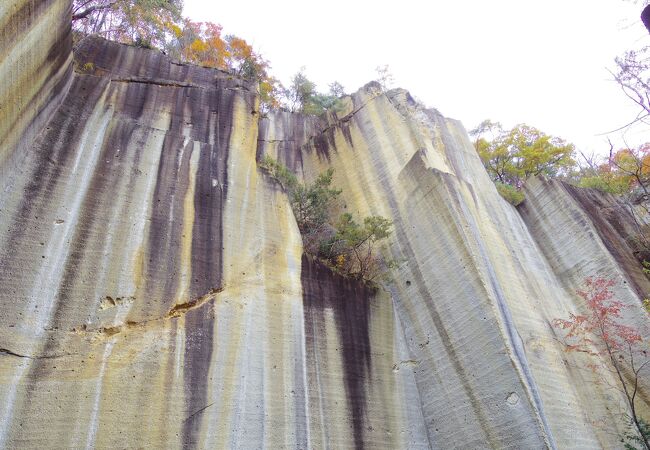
<point x="35" y="65"/>
<point x="155" y="293"/>
<point x="477" y="287"/>
<point x="152" y="283"/>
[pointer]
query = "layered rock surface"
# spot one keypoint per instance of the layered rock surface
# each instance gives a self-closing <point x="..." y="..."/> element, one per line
<point x="155" y="291"/>
<point x="35" y="69"/>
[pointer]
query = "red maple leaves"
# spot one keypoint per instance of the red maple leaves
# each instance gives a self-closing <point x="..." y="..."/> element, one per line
<point x="600" y="331"/>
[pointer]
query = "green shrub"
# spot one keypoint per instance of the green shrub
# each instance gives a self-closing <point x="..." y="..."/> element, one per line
<point x="310" y="202"/>
<point x="605" y="183"/>
<point x="512" y="195"/>
<point x="279" y="172"/>
<point x="347" y="247"/>
<point x="352" y="249"/>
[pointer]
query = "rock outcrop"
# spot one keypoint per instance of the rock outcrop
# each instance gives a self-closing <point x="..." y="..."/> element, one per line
<point x="155" y="292"/>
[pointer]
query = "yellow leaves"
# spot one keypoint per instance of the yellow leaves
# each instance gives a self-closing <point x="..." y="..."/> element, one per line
<point x="198" y="46"/>
<point x="240" y="49"/>
<point x="340" y="262"/>
<point x="513" y="155"/>
<point x="206" y="47"/>
<point x="176" y="30"/>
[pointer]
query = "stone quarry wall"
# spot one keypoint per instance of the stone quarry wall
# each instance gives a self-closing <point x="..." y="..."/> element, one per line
<point x="155" y="292"/>
<point x="35" y="69"/>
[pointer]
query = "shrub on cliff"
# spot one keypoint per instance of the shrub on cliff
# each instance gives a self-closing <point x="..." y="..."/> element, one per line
<point x="511" y="156"/>
<point x="302" y="96"/>
<point x="310" y="202"/>
<point x="347" y="247"/>
<point x="510" y="193"/>
<point x="352" y="250"/>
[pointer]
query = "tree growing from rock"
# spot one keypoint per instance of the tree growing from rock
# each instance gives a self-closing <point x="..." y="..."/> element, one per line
<point x="302" y="96"/>
<point x="617" y="349"/>
<point x="348" y="247"/>
<point x="511" y="156"/>
<point x="352" y="250"/>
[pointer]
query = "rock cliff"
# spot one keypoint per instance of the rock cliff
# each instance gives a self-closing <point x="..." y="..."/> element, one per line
<point x="155" y="292"/>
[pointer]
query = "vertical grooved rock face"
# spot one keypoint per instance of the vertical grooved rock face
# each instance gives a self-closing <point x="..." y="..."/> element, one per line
<point x="155" y="292"/>
<point x="35" y="70"/>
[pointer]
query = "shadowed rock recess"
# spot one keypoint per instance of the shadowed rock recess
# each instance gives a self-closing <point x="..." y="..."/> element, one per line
<point x="154" y="291"/>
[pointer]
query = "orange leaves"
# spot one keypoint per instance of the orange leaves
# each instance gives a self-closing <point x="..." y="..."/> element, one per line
<point x="201" y="43"/>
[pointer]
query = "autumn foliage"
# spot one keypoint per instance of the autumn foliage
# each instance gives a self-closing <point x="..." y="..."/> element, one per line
<point x="626" y="171"/>
<point x="511" y="156"/>
<point x="618" y="349"/>
<point x="158" y="24"/>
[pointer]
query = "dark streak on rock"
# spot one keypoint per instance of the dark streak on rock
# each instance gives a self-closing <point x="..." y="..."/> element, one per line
<point x="49" y="95"/>
<point x="614" y="223"/>
<point x="207" y="244"/>
<point x="162" y="257"/>
<point x="350" y="302"/>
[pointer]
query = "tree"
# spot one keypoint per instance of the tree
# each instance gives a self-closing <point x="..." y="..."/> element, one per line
<point x="347" y="247"/>
<point x="633" y="166"/>
<point x="352" y="250"/>
<point x="310" y="202"/>
<point x="633" y="76"/>
<point x="616" y="348"/>
<point x="201" y="43"/>
<point x="300" y="92"/>
<point x="302" y="96"/>
<point x="148" y="23"/>
<point x="625" y="172"/>
<point x="524" y="151"/>
<point x="336" y="89"/>
<point x="384" y="77"/>
<point x="511" y="156"/>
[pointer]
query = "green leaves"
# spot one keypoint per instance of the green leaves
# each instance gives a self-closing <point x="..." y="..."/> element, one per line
<point x="352" y="249"/>
<point x="302" y="96"/>
<point x="513" y="155"/>
<point x="145" y="23"/>
<point x="510" y="193"/>
<point x="347" y="246"/>
<point x="311" y="202"/>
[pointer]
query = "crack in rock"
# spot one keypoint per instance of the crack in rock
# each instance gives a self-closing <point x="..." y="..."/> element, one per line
<point x="176" y="311"/>
<point x="156" y="82"/>
<point x="198" y="411"/>
<point x="406" y="363"/>
<point x="7" y="352"/>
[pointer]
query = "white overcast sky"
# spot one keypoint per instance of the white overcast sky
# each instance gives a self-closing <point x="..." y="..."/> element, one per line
<point x="541" y="62"/>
